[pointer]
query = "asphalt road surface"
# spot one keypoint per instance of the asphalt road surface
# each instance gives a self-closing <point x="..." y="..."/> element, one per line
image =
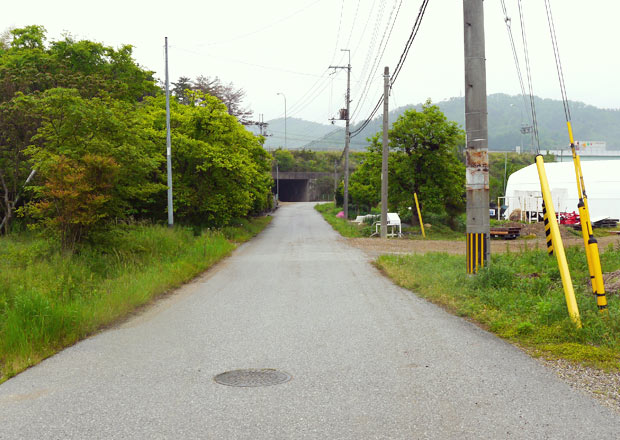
<point x="368" y="360"/>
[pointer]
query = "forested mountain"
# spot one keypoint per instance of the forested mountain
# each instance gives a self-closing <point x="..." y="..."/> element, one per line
<point x="299" y="132"/>
<point x="506" y="116"/>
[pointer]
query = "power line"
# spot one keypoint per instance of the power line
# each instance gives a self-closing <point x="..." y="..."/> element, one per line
<point x="401" y="62"/>
<point x="507" y="20"/>
<point x="558" y="62"/>
<point x="379" y="56"/>
<point x="529" y="77"/>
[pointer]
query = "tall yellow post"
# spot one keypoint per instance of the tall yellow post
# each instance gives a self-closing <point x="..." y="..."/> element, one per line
<point x="417" y="206"/>
<point x="567" y="283"/>
<point x="590" y="243"/>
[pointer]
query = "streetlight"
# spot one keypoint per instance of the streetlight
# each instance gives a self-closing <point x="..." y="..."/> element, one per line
<point x="284" y="96"/>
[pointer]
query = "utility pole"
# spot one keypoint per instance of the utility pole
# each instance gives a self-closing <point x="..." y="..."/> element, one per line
<point x="384" y="161"/>
<point x="347" y="135"/>
<point x="477" y="174"/>
<point x="168" y="145"/>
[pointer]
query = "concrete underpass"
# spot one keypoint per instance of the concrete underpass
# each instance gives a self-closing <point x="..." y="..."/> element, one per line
<point x="299" y="186"/>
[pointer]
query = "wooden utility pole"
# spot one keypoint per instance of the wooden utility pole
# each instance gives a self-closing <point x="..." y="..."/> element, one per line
<point x="384" y="160"/>
<point x="477" y="174"/>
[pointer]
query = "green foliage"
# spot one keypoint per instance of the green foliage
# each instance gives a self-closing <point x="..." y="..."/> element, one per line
<point x="507" y="113"/>
<point x="76" y="196"/>
<point x="319" y="161"/>
<point x="30" y="69"/>
<point x="49" y="299"/>
<point x="423" y="160"/>
<point x="520" y="297"/>
<point x="340" y="225"/>
<point x="220" y="170"/>
<point x="502" y="165"/>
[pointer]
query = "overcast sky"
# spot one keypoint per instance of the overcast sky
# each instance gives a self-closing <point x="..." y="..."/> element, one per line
<point x="286" y="46"/>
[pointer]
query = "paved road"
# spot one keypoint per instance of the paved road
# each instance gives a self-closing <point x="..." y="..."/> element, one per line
<point x="369" y="361"/>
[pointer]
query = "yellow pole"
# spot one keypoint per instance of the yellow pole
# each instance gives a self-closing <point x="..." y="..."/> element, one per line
<point x="547" y="230"/>
<point x="558" y="246"/>
<point x="417" y="205"/>
<point x="590" y="243"/>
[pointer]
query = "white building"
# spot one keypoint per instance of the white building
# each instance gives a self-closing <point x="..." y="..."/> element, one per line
<point x="602" y="182"/>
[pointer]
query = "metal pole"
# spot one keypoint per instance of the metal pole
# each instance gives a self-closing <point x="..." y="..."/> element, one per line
<point x="384" y="160"/>
<point x="168" y="145"/>
<point x="477" y="175"/>
<point x="285" y="142"/>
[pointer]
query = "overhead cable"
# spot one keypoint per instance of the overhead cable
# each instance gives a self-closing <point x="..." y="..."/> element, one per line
<point x="529" y="77"/>
<point x="401" y="62"/>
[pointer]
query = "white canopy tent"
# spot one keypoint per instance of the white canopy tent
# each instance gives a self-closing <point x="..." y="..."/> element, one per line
<point x="602" y="181"/>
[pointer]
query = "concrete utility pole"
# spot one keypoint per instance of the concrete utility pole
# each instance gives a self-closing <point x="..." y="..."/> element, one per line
<point x="168" y="145"/>
<point x="347" y="134"/>
<point x="477" y="175"/>
<point x="285" y="143"/>
<point x="384" y="161"/>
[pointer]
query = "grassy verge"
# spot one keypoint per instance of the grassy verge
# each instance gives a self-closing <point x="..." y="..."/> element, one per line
<point x="345" y="228"/>
<point x="520" y="298"/>
<point x="340" y="225"/>
<point x="50" y="300"/>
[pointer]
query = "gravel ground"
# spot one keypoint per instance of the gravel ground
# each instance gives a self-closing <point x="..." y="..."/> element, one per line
<point x="604" y="386"/>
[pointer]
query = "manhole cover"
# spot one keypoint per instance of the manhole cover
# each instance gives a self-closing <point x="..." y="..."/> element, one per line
<point x="252" y="378"/>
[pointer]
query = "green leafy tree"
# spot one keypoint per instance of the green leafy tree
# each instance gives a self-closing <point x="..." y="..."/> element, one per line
<point x="28" y="67"/>
<point x="423" y="159"/>
<point x="74" y="127"/>
<point x="220" y="170"/>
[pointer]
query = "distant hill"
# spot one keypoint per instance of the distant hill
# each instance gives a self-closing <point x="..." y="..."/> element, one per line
<point x="506" y="115"/>
<point x="299" y="132"/>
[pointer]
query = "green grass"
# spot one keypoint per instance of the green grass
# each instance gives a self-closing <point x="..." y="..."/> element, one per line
<point x="520" y="298"/>
<point x="50" y="300"/>
<point x="437" y="231"/>
<point x="342" y="226"/>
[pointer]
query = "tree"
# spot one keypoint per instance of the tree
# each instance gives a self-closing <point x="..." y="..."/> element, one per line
<point x="231" y="96"/>
<point x="76" y="196"/>
<point x="180" y="87"/>
<point x="18" y="124"/>
<point x="28" y="67"/>
<point x="220" y="170"/>
<point x="74" y="127"/>
<point x="423" y="160"/>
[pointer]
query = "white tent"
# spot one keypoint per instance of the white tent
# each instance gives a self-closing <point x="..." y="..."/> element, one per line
<point x="602" y="182"/>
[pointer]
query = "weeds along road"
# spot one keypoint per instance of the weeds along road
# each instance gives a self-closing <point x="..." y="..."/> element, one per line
<point x="368" y="360"/>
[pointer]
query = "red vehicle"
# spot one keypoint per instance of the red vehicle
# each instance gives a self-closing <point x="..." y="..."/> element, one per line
<point x="568" y="218"/>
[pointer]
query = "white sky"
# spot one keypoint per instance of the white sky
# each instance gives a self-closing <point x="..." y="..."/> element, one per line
<point x="272" y="46"/>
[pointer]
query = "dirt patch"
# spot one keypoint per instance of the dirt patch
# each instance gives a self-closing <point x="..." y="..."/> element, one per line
<point x="379" y="246"/>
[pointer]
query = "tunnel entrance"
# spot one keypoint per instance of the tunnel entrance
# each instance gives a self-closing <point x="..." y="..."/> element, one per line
<point x="303" y="186"/>
<point x="293" y="190"/>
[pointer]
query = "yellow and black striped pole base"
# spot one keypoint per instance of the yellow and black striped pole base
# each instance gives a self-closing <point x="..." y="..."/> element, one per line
<point x="547" y="230"/>
<point x="477" y="245"/>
